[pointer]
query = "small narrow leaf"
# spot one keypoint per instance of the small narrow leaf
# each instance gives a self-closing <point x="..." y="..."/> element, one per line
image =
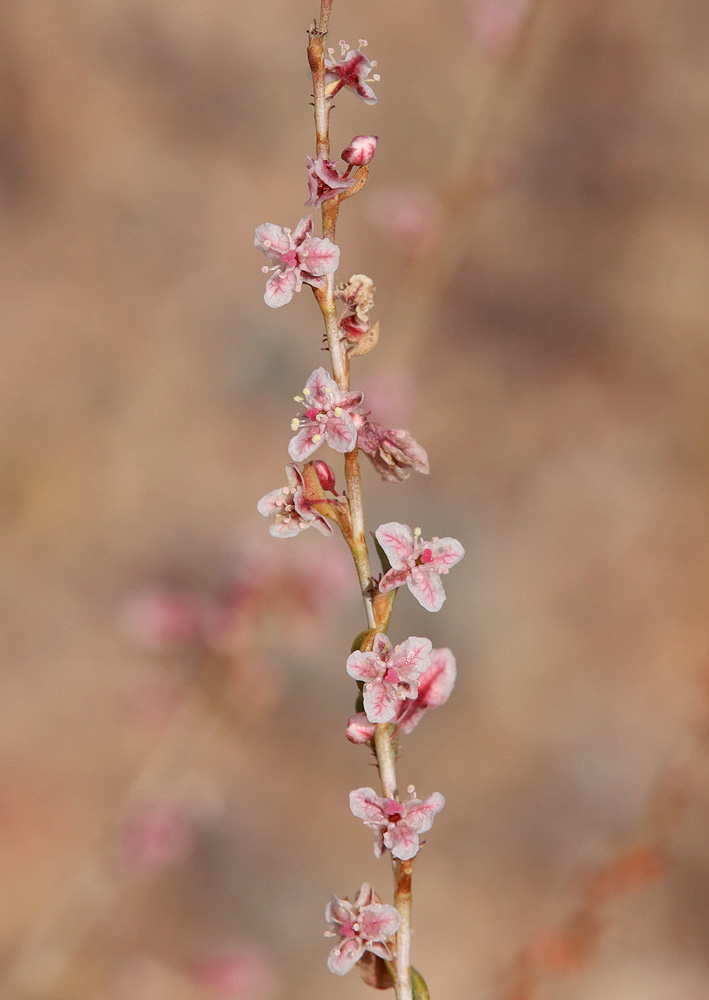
<point x="419" y="989"/>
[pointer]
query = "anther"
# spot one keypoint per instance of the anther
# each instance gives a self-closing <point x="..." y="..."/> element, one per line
<point x="317" y="437"/>
<point x="265" y="269"/>
<point x="306" y="392"/>
<point x="338" y="411"/>
<point x="294" y="424"/>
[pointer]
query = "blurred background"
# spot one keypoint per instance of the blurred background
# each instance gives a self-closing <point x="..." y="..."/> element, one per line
<point x="173" y="794"/>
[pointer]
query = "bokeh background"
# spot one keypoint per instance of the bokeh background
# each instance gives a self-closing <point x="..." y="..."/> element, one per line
<point x="173" y="796"/>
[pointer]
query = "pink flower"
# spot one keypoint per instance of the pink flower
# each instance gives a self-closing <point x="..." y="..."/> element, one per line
<point x="156" y="835"/>
<point x="394" y="453"/>
<point x="396" y="824"/>
<point x="496" y="24"/>
<point x="325" y="475"/>
<point x="162" y="620"/>
<point x="390" y="674"/>
<point x="290" y="511"/>
<point x="434" y="689"/>
<point x="360" y="150"/>
<point x="297" y="256"/>
<point x="241" y="973"/>
<point x="365" y="925"/>
<point x="324" y="180"/>
<point x="327" y="416"/>
<point x="351" y="71"/>
<point x="417" y="563"/>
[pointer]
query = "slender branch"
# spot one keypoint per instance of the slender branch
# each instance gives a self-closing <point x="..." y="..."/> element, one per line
<point x="325" y="297"/>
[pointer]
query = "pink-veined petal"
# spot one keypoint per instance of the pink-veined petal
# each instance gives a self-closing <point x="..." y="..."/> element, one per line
<point x="402" y="841"/>
<point x="446" y="552"/>
<point x="321" y="388"/>
<point x="411" y="658"/>
<point x="313" y="280"/>
<point x="367" y="806"/>
<point x="280" y="288"/>
<point x="348" y="400"/>
<point x="340" y="432"/>
<point x="288" y="529"/>
<point x="294" y="477"/>
<point x="380" y="701"/>
<point x="345" y="957"/>
<point x="381" y="646"/>
<point x="363" y="666"/>
<point x="397" y="540"/>
<point x="272" y="240"/>
<point x="392" y="579"/>
<point x="302" y="445"/>
<point x="365" y="896"/>
<point x="359" y="729"/>
<point x="269" y="505"/>
<point x="339" y="911"/>
<point x="379" y="921"/>
<point x="420" y="815"/>
<point x="436" y="684"/>
<point x="302" y="230"/>
<point x="318" y="257"/>
<point x="379" y="948"/>
<point x="366" y="93"/>
<point x="426" y="586"/>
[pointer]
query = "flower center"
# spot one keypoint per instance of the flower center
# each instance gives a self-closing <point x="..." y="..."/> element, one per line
<point x="347" y="929"/>
<point x="426" y="556"/>
<point x="290" y="258"/>
<point x="391" y="676"/>
<point x="312" y="413"/>
<point x="393" y="811"/>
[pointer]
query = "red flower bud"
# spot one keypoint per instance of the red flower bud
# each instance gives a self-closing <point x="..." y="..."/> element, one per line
<point x="325" y="475"/>
<point x="360" y="150"/>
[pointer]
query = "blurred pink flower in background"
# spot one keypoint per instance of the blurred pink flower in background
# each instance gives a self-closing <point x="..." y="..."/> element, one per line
<point x="495" y="24"/>
<point x="155" y="836"/>
<point x="239" y="973"/>
<point x="162" y="620"/>
<point x="410" y="217"/>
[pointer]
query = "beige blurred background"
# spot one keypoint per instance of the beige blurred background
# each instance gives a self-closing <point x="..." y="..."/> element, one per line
<point x="549" y="349"/>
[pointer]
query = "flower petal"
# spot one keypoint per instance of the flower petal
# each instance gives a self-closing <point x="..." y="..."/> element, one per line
<point x="366" y="93"/>
<point x="272" y="240"/>
<point x="397" y="540"/>
<point x="402" y="841"/>
<point x="321" y="388"/>
<point x="436" y="684"/>
<point x="289" y="528"/>
<point x="272" y="503"/>
<point x="348" y="400"/>
<point x="393" y="579"/>
<point x="339" y="911"/>
<point x="359" y="729"/>
<point x="420" y="815"/>
<point x="446" y="552"/>
<point x="318" y="257"/>
<point x="363" y="666"/>
<point x="379" y="948"/>
<point x="280" y="288"/>
<point x="381" y="646"/>
<point x="340" y="432"/>
<point x="345" y="956"/>
<point x="426" y="586"/>
<point x="302" y="445"/>
<point x="379" y="921"/>
<point x="380" y="701"/>
<point x="367" y="806"/>
<point x="411" y="658"/>
<point x="365" y="896"/>
<point x="303" y="229"/>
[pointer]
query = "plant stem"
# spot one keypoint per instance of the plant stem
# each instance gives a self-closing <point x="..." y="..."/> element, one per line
<point x="325" y="297"/>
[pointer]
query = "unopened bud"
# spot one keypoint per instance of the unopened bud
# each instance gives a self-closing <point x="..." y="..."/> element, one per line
<point x="360" y="150"/>
<point x="325" y="475"/>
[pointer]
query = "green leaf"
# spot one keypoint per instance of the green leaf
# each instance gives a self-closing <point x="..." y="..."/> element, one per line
<point x="364" y="640"/>
<point x="419" y="989"/>
<point x="386" y="565"/>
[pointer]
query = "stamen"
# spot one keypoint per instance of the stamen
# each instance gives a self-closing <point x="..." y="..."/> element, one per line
<point x="294" y="424"/>
<point x="306" y="391"/>
<point x="417" y="532"/>
<point x="331" y="51"/>
<point x="328" y="390"/>
<point x="317" y="437"/>
<point x="338" y="411"/>
<point x="265" y="269"/>
<point x="411" y="790"/>
<point x="376" y="78"/>
<point x="299" y="399"/>
<point x="267" y="243"/>
<point x="363" y="43"/>
<point x="285" y="491"/>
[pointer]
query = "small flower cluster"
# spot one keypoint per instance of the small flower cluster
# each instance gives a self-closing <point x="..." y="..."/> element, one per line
<point x="398" y="682"/>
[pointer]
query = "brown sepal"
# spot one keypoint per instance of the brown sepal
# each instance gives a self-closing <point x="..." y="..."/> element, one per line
<point x="337" y="510"/>
<point x="366" y="344"/>
<point x="374" y="972"/>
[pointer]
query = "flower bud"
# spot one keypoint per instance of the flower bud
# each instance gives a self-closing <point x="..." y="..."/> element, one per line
<point x="360" y="150"/>
<point x="360" y="729"/>
<point x="325" y="475"/>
